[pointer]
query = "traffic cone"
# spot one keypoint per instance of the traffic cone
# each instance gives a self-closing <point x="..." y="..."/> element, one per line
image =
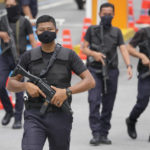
<point x="86" y="24"/>
<point x="1" y="106"/>
<point x="144" y="17"/>
<point x="10" y="97"/>
<point x="131" y="16"/>
<point x="38" y="43"/>
<point x="66" y="39"/>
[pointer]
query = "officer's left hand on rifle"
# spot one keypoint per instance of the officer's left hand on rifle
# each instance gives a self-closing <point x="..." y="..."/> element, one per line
<point x="59" y="97"/>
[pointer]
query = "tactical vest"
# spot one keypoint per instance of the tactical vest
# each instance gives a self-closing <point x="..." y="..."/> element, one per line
<point x="19" y="38"/>
<point x="144" y="47"/>
<point x="110" y="45"/>
<point x="59" y="74"/>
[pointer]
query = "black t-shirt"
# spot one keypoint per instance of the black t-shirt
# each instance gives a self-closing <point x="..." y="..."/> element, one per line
<point x="75" y="62"/>
<point x="112" y="38"/>
<point x="24" y="28"/>
<point x="140" y="39"/>
<point x="120" y="41"/>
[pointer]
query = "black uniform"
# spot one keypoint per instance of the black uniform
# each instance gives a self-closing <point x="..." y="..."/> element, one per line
<point x="55" y="124"/>
<point x="7" y="64"/>
<point x="141" y="39"/>
<point x="33" y="5"/>
<point x="100" y="121"/>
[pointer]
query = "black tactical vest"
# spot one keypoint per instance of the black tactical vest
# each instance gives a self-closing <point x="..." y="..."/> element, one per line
<point x="110" y="45"/>
<point x="19" y="35"/>
<point x="59" y="74"/>
<point x="144" y="47"/>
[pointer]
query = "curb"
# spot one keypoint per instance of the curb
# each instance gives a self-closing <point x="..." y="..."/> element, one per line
<point x="127" y="35"/>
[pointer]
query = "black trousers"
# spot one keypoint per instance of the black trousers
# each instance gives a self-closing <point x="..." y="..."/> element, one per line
<point x="142" y="98"/>
<point x="6" y="66"/>
<point x="99" y="120"/>
<point x="54" y="126"/>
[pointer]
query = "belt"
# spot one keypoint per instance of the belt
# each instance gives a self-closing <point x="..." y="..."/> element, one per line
<point x="31" y="105"/>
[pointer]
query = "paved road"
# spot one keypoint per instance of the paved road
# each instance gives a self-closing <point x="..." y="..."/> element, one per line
<point x="81" y="134"/>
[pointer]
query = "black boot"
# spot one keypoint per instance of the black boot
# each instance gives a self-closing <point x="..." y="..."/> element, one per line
<point x="6" y="119"/>
<point x="95" y="140"/>
<point x="17" y="125"/>
<point x="105" y="140"/>
<point x="131" y="128"/>
<point x="80" y="4"/>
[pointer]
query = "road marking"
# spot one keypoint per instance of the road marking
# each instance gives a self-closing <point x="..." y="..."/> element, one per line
<point x="51" y="5"/>
<point x="73" y="25"/>
<point x="60" y="21"/>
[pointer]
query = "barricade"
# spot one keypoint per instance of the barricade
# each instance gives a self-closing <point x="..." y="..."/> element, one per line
<point x="144" y="16"/>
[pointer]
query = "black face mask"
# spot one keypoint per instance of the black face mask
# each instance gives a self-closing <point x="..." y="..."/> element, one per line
<point x="13" y="13"/>
<point x="47" y="37"/>
<point x="106" y="21"/>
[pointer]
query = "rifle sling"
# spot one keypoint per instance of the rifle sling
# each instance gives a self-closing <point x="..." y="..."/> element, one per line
<point x="17" y="35"/>
<point x="51" y="61"/>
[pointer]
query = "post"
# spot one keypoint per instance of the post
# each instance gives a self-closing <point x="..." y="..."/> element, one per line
<point x="121" y="13"/>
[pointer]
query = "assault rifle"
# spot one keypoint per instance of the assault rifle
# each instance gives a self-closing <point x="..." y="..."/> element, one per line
<point x="49" y="92"/>
<point x="146" y="74"/>
<point x="6" y="28"/>
<point x="104" y="69"/>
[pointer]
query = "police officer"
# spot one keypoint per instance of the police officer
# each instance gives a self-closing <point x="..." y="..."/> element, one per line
<point x="29" y="8"/>
<point x="20" y="27"/>
<point x="142" y="40"/>
<point x="80" y="3"/>
<point x="106" y="38"/>
<point x="55" y="124"/>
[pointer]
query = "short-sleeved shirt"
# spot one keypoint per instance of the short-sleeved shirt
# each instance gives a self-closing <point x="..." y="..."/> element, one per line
<point x="24" y="29"/>
<point x="75" y="62"/>
<point x="33" y="4"/>
<point x="139" y="37"/>
<point x="143" y="35"/>
<point x="112" y="38"/>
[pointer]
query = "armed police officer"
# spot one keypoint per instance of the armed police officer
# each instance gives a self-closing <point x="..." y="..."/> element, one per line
<point x="100" y="46"/>
<point x="53" y="64"/>
<point x="13" y="31"/>
<point x="142" y="40"/>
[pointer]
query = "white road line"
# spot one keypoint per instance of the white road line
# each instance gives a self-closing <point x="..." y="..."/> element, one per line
<point x="51" y="5"/>
<point x="73" y="25"/>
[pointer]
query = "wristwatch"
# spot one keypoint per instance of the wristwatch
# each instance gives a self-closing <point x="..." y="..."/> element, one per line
<point x="68" y="92"/>
<point x="129" y="65"/>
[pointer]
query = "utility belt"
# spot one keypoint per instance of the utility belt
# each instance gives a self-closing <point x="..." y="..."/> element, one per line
<point x="97" y="65"/>
<point x="34" y="105"/>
